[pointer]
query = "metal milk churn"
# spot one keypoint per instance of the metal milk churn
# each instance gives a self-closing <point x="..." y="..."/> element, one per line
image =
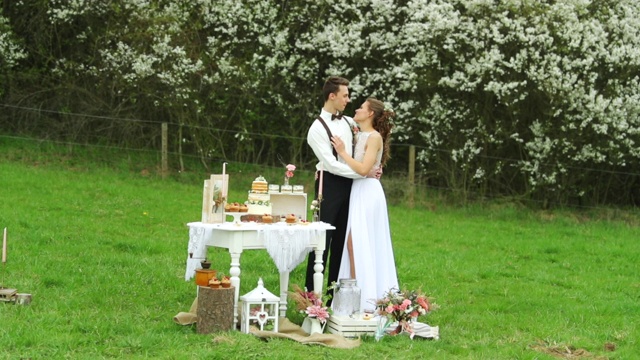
<point x="346" y="299"/>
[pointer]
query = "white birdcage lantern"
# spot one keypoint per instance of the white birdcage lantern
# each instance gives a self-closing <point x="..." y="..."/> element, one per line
<point x="260" y="308"/>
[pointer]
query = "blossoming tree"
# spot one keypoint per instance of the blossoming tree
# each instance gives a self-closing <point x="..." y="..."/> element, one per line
<point x="531" y="98"/>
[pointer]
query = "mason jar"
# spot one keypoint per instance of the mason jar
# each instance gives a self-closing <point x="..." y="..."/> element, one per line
<point x="346" y="298"/>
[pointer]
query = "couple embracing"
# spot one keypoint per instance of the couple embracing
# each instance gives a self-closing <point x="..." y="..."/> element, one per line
<point x="353" y="199"/>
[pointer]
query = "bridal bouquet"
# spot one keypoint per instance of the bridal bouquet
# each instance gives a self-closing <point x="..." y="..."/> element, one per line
<point x="403" y="307"/>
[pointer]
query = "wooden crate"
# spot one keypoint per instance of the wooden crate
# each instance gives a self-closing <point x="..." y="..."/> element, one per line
<point x="289" y="203"/>
<point x="351" y="327"/>
<point x="8" y="294"/>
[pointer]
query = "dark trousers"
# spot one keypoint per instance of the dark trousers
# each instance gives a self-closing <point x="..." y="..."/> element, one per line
<point x="334" y="210"/>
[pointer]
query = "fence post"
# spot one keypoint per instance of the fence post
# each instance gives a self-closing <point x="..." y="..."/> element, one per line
<point x="412" y="175"/>
<point x="165" y="160"/>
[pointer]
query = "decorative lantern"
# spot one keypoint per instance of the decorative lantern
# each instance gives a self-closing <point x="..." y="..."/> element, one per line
<point x="259" y="307"/>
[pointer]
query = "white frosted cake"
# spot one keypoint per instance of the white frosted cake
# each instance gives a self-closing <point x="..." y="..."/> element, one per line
<point x="259" y="200"/>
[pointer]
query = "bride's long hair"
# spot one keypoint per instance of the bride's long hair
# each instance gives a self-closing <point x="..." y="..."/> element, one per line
<point x="382" y="123"/>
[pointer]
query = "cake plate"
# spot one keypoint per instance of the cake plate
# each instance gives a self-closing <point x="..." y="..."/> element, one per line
<point x="236" y="215"/>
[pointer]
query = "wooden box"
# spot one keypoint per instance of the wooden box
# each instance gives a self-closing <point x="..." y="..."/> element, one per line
<point x="289" y="203"/>
<point x="351" y="327"/>
<point x="8" y="294"/>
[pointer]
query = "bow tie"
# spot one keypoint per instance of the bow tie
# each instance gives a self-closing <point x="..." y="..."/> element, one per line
<point x="333" y="117"/>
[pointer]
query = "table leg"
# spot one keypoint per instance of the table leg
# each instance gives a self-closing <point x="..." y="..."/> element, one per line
<point x="235" y="282"/>
<point x="318" y="278"/>
<point x="284" y="291"/>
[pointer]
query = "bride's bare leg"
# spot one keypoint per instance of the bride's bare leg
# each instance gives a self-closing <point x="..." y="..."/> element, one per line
<point x="351" y="261"/>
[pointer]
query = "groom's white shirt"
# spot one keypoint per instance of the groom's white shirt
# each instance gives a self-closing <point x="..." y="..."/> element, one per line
<point x="319" y="141"/>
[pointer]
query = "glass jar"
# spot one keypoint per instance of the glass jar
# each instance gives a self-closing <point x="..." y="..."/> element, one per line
<point x="346" y="298"/>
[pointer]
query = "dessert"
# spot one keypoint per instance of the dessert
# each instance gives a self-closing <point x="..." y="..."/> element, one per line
<point x="235" y="207"/>
<point x="214" y="283"/>
<point x="260" y="185"/>
<point x="267" y="219"/>
<point x="290" y="218"/>
<point x="259" y="200"/>
<point x="243" y="208"/>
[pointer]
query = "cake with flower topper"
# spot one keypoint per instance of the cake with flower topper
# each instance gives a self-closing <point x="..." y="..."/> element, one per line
<point x="259" y="200"/>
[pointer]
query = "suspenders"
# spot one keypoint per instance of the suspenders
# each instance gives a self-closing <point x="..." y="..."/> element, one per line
<point x="324" y="124"/>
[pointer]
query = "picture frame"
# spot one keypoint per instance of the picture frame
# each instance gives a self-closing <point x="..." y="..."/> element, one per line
<point x="214" y="198"/>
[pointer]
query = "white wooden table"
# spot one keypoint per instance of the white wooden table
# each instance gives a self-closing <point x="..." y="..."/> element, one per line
<point x="237" y="237"/>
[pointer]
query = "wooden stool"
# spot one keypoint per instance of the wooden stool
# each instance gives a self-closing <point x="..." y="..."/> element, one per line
<point x="215" y="309"/>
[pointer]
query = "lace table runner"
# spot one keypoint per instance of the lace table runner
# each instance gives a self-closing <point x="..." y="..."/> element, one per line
<point x="287" y="245"/>
<point x="197" y="250"/>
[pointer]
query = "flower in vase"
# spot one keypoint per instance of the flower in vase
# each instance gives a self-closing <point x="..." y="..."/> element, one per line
<point x="290" y="169"/>
<point x="309" y="303"/>
<point x="319" y="312"/>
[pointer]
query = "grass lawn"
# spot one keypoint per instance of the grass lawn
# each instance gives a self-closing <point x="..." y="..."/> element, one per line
<point x="102" y="250"/>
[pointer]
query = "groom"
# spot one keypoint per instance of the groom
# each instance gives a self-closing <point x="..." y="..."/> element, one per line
<point x="337" y="176"/>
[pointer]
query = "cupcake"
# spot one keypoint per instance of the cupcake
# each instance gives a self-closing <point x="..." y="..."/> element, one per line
<point x="290" y="218"/>
<point x="214" y="283"/>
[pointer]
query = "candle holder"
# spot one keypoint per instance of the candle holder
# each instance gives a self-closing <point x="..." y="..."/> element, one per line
<point x="316" y="208"/>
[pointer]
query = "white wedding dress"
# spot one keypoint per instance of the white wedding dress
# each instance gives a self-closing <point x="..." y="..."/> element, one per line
<point x="369" y="226"/>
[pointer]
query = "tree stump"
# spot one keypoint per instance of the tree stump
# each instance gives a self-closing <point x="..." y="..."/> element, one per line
<point x="215" y="309"/>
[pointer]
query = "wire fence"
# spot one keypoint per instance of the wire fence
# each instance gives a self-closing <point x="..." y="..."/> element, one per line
<point x="400" y="175"/>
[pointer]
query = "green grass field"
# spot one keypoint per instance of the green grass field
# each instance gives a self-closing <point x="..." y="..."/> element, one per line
<point x="102" y="249"/>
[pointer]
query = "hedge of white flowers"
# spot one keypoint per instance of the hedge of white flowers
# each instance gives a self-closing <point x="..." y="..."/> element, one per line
<point x="530" y="98"/>
<point x="10" y="50"/>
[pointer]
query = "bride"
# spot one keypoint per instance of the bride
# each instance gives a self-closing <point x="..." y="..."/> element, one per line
<point x="369" y="254"/>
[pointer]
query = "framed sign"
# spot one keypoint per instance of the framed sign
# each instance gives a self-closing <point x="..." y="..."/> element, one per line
<point x="214" y="198"/>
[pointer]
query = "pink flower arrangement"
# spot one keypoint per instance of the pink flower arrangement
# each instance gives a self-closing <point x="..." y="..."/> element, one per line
<point x="290" y="169"/>
<point x="403" y="306"/>
<point x="307" y="302"/>
<point x="319" y="312"/>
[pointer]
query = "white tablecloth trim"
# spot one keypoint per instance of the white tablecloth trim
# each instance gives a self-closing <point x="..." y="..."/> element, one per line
<point x="287" y="246"/>
<point x="197" y="250"/>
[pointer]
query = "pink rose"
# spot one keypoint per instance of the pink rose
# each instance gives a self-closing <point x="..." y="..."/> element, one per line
<point x="423" y="303"/>
<point x="405" y="304"/>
